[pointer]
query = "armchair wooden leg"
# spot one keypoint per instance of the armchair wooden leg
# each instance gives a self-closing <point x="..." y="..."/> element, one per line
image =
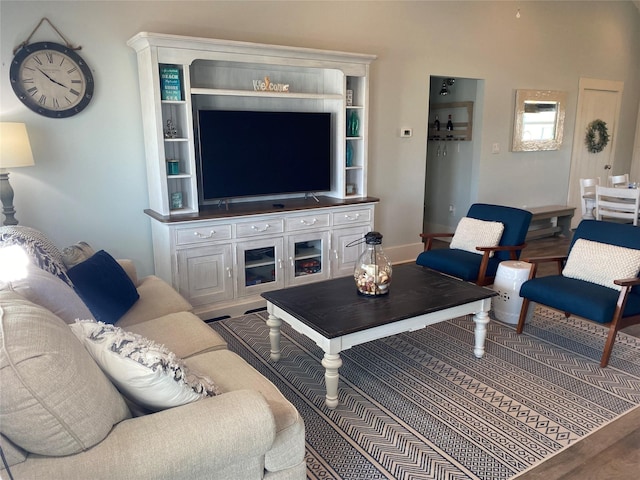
<point x="523" y="315"/>
<point x="611" y="339"/>
<point x="608" y="346"/>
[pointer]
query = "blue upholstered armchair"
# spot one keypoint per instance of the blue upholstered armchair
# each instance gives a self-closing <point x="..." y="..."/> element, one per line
<point x="597" y="280"/>
<point x="477" y="261"/>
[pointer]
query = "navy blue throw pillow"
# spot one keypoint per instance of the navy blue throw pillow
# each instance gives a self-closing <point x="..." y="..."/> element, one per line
<point x="104" y="287"/>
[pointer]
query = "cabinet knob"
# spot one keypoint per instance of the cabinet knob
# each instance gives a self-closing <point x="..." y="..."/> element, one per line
<point x="292" y="262"/>
<point x="200" y="235"/>
<point x="258" y="229"/>
<point x="229" y="272"/>
<point x="352" y="217"/>
<point x="305" y="222"/>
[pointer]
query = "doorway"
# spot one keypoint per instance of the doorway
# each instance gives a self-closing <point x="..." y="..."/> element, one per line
<point x="448" y="189"/>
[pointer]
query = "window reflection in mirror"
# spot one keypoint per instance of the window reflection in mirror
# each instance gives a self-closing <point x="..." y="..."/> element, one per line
<point x="539" y="120"/>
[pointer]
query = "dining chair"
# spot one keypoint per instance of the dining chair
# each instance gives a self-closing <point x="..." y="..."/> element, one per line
<point x="618" y="203"/>
<point x="618" y="181"/>
<point x="588" y="196"/>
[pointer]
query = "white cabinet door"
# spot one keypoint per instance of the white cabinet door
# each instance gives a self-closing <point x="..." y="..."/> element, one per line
<point x="260" y="266"/>
<point x="307" y="258"/>
<point x="205" y="274"/>
<point x="343" y="257"/>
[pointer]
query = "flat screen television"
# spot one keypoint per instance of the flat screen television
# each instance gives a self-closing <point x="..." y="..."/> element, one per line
<point x="257" y="153"/>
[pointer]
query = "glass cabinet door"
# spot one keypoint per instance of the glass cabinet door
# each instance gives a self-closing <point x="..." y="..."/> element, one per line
<point x="260" y="266"/>
<point x="308" y="258"/>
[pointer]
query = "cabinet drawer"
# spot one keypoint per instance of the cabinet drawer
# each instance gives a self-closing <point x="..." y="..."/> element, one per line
<point x="349" y="217"/>
<point x="259" y="227"/>
<point x="187" y="236"/>
<point x="304" y="222"/>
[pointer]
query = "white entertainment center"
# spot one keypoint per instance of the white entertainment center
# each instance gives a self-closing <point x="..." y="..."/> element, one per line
<point x="222" y="257"/>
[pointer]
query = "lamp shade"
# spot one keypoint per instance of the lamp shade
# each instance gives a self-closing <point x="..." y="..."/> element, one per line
<point x="15" y="149"/>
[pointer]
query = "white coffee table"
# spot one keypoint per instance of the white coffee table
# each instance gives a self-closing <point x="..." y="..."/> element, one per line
<point x="336" y="317"/>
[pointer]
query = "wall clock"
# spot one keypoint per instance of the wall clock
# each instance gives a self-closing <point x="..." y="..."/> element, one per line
<point x="51" y="79"/>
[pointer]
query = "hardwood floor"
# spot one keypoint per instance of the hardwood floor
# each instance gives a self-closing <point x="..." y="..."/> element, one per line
<point x="612" y="452"/>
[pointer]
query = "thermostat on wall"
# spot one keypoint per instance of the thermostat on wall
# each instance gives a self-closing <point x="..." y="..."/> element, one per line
<point x="406" y="132"/>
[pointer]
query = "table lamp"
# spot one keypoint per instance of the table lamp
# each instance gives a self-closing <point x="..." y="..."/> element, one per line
<point x="15" y="151"/>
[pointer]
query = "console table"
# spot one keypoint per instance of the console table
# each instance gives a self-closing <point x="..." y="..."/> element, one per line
<point x="222" y="259"/>
<point x="550" y="220"/>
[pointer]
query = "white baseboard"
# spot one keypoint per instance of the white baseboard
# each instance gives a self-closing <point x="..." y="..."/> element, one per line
<point x="403" y="253"/>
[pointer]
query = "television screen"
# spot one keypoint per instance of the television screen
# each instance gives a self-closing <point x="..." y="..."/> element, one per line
<point x="253" y="153"/>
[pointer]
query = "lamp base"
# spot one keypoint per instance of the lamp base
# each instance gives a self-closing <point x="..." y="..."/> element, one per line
<point x="6" y="196"/>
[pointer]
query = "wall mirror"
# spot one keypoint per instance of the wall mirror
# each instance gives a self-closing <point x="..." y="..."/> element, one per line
<point x="539" y="120"/>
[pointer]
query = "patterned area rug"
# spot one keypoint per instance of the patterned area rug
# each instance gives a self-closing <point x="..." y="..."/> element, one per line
<point x="420" y="405"/>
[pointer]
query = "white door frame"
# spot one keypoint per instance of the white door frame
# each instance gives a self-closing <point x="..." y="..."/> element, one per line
<point x="634" y="174"/>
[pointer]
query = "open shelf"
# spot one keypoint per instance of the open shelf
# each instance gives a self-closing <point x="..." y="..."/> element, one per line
<point x="462" y="130"/>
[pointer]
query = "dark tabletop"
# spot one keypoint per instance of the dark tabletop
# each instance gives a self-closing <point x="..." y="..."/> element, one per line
<point x="334" y="307"/>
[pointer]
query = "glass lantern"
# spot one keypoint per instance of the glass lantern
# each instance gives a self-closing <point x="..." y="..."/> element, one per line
<point x="373" y="270"/>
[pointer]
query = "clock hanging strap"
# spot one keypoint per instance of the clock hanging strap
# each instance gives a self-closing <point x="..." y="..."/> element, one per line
<point x="26" y="42"/>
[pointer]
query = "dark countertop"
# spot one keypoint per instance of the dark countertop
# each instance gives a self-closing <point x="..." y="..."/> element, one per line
<point x="212" y="212"/>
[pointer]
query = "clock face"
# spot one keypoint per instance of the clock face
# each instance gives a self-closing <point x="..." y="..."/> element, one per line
<point x="51" y="79"/>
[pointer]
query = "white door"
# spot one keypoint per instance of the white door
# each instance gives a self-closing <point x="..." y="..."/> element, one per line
<point x="597" y="99"/>
<point x="343" y="254"/>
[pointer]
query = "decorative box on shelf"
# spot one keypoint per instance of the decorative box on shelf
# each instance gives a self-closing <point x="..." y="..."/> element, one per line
<point x="170" y="85"/>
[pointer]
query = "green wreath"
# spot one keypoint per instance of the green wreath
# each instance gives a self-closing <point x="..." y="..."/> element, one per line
<point x="597" y="136"/>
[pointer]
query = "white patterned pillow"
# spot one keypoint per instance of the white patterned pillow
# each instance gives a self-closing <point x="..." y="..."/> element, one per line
<point x="38" y="247"/>
<point x="601" y="263"/>
<point x="76" y="253"/>
<point x="472" y="233"/>
<point x="145" y="372"/>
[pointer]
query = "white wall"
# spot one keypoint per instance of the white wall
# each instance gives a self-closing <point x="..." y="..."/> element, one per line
<point x="89" y="180"/>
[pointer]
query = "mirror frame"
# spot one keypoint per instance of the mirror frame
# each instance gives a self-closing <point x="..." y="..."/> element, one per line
<point x="520" y="145"/>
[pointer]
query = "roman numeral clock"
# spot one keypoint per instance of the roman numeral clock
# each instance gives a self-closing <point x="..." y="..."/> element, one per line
<point x="51" y="79"/>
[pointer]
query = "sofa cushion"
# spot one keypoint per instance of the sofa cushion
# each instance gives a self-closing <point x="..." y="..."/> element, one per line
<point x="230" y="373"/>
<point x="55" y="399"/>
<point x="104" y="287"/>
<point x="146" y="372"/>
<point x="38" y="247"/>
<point x="183" y="333"/>
<point x="459" y="263"/>
<point x="157" y="298"/>
<point x="601" y="263"/>
<point x="12" y="453"/>
<point x="50" y="292"/>
<point x="471" y="233"/>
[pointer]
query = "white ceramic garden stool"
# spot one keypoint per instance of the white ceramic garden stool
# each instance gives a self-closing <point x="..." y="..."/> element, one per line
<point x="509" y="278"/>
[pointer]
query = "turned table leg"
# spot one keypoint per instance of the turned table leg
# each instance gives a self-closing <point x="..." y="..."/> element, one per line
<point x="274" y="336"/>
<point x="481" y="320"/>
<point x="331" y="362"/>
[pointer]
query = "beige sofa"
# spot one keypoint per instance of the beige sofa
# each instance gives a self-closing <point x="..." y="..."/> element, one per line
<point x="62" y="417"/>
